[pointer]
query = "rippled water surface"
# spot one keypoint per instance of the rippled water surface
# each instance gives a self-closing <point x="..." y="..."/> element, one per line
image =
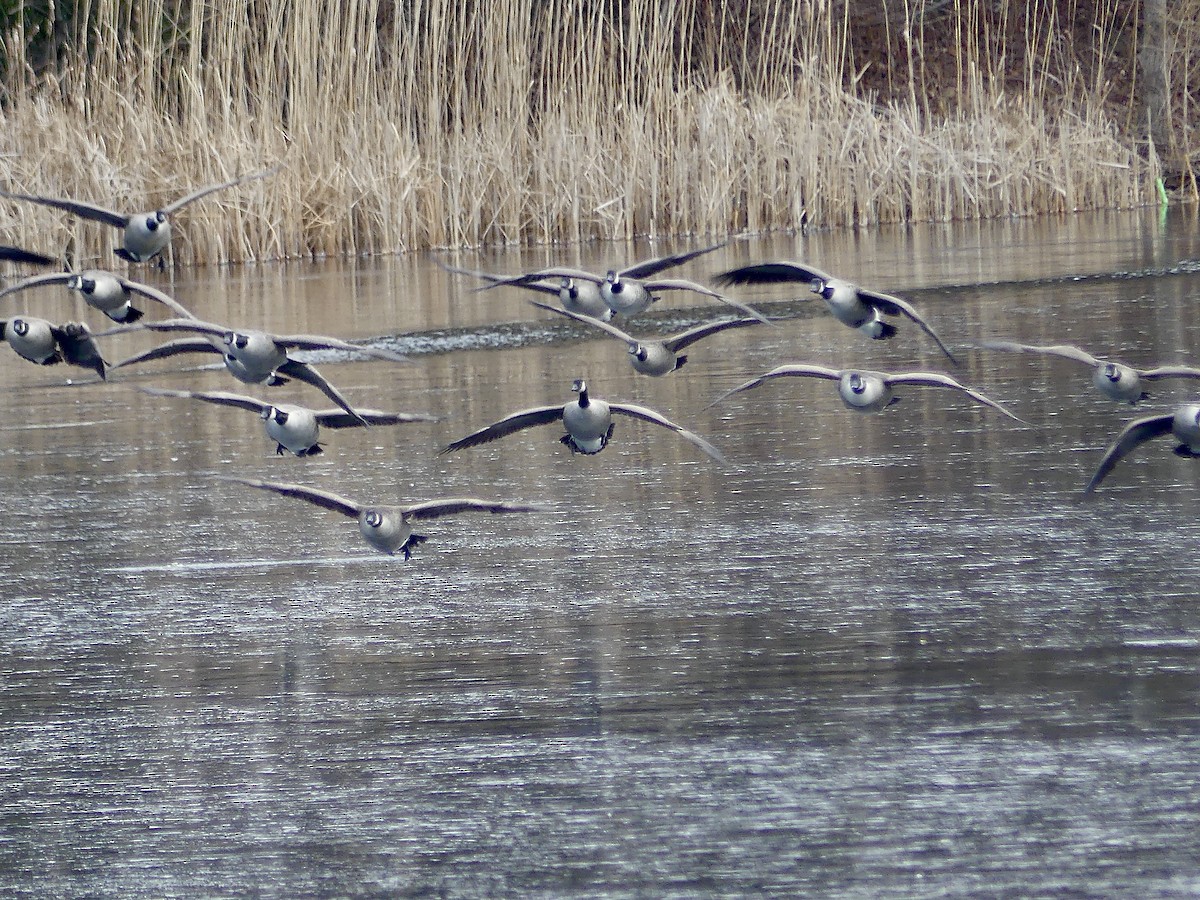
<point x="873" y="655"/>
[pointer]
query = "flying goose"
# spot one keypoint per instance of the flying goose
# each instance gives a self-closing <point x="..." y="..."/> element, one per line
<point x="866" y="391"/>
<point x="576" y="295"/>
<point x="1183" y="423"/>
<point x="47" y="344"/>
<point x="850" y="304"/>
<point x="655" y="356"/>
<point x="1114" y="380"/>
<point x="254" y="357"/>
<point x="145" y="233"/>
<point x="630" y="291"/>
<point x="588" y="422"/>
<point x="293" y="428"/>
<point x="110" y="294"/>
<point x="386" y="528"/>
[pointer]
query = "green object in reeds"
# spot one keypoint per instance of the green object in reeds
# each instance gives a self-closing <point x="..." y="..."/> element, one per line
<point x="1162" y="192"/>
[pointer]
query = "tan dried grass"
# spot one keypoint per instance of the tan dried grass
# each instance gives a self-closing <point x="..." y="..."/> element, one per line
<point x="435" y="123"/>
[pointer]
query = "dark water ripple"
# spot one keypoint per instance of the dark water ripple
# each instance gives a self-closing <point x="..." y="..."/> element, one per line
<point x="668" y="321"/>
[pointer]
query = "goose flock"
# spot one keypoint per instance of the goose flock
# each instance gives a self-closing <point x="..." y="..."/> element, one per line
<point x="603" y="302"/>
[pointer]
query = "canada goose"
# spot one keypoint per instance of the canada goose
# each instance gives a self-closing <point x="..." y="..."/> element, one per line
<point x="146" y="233"/>
<point x="386" y="528"/>
<point x="46" y="344"/>
<point x="1114" y="380"/>
<point x="867" y="391"/>
<point x="254" y="357"/>
<point x="1183" y="423"/>
<point x="588" y="422"/>
<point x="629" y="297"/>
<point x="655" y="356"/>
<point x="630" y="291"/>
<point x="851" y="305"/>
<point x="17" y="255"/>
<point x="110" y="294"/>
<point x="294" y="428"/>
<point x="576" y="295"/>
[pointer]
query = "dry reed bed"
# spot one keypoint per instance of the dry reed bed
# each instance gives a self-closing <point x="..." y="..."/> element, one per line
<point x="438" y="124"/>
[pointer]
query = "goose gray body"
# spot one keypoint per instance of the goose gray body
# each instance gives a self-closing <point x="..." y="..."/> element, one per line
<point x="388" y="529"/>
<point x="293" y="428"/>
<point x="576" y="295"/>
<point x="866" y="391"/>
<point x="105" y="292"/>
<point x="255" y="357"/>
<point x="47" y="344"/>
<point x="145" y="233"/>
<point x="588" y="422"/>
<point x="853" y="306"/>
<point x="631" y="290"/>
<point x="628" y="297"/>
<point x="655" y="356"/>
<point x="1114" y="380"/>
<point x="1183" y="424"/>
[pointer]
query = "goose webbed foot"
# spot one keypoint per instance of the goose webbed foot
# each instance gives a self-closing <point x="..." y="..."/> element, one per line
<point x="1186" y="452"/>
<point x="587" y="451"/>
<point x="575" y="448"/>
<point x="414" y="540"/>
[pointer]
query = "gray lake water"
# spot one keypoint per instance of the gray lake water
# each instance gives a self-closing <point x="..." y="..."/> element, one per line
<point x="873" y="656"/>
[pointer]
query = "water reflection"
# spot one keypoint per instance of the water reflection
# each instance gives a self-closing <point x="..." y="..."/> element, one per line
<point x="886" y="654"/>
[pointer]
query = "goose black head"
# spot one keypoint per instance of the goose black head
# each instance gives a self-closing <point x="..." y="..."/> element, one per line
<point x="74" y="329"/>
<point x="1111" y="372"/>
<point x="821" y="288"/>
<point x="856" y="383"/>
<point x="82" y="284"/>
<point x="373" y="517"/>
<point x="579" y="386"/>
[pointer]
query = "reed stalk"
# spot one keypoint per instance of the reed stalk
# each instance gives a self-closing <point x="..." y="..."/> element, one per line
<point x="432" y="123"/>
